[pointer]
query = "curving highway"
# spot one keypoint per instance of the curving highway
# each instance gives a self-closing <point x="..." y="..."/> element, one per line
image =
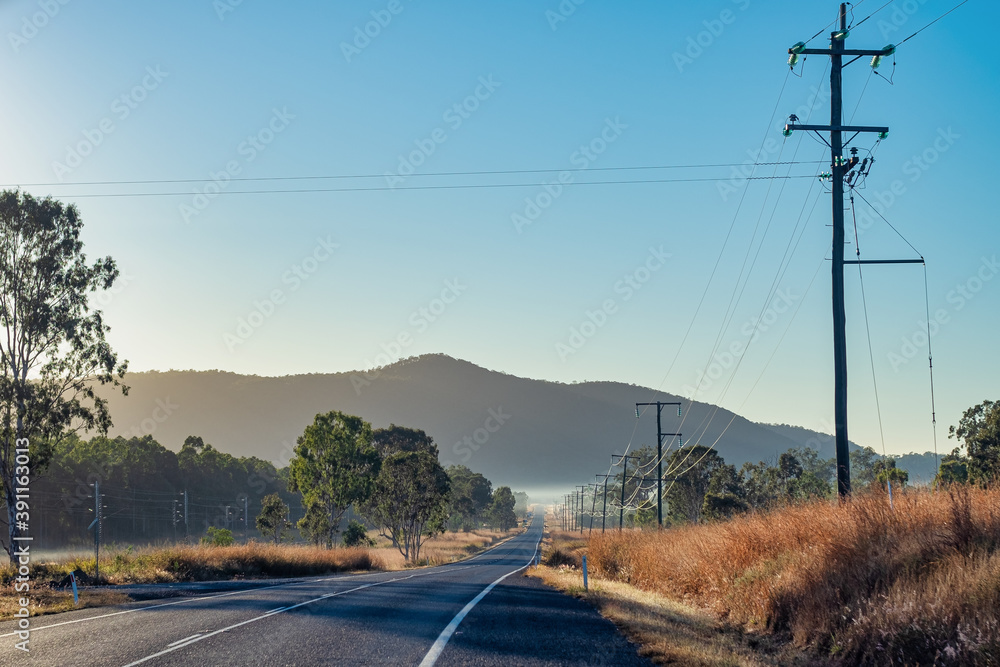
<point x="481" y="611"/>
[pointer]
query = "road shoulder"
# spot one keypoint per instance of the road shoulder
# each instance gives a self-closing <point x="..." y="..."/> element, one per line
<point x="525" y="622"/>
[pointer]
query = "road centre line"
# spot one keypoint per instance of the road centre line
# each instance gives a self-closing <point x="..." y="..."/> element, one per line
<point x="439" y="644"/>
<point x="274" y="613"/>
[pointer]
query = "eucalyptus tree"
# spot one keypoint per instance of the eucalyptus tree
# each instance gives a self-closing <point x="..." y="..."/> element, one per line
<point x="53" y="348"/>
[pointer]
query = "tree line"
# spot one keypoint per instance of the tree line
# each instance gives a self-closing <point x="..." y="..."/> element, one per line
<point x="391" y="477"/>
<point x="700" y="486"/>
<point x="342" y="471"/>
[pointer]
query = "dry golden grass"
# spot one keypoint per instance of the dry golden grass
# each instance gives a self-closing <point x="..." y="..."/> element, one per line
<point x="859" y="582"/>
<point x="563" y="548"/>
<point x="441" y="549"/>
<point x="670" y="632"/>
<point x="46" y="600"/>
<point x="205" y="563"/>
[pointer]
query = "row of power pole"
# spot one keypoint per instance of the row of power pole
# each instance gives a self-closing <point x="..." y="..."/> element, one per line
<point x="571" y="512"/>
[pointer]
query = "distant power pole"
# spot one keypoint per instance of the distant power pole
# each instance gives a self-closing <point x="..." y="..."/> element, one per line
<point x="186" y="534"/>
<point x="659" y="453"/>
<point x="604" y="512"/>
<point x="246" y="519"/>
<point x="623" y="460"/>
<point x="593" y="508"/>
<point x="580" y="488"/>
<point x="96" y="525"/>
<point x="839" y="167"/>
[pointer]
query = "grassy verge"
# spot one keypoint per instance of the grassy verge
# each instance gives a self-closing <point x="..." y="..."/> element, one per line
<point x="668" y="632"/>
<point x="854" y="584"/>
<point x="441" y="549"/>
<point x="181" y="563"/>
<point x="48" y="600"/>
<point x="185" y="563"/>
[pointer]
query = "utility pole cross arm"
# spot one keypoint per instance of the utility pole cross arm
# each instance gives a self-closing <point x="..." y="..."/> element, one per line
<point x="887" y="51"/>
<point x="837" y="128"/>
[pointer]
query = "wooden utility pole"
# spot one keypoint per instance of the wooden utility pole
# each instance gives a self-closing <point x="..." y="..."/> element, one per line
<point x="623" y="461"/>
<point x="659" y="453"/>
<point x="604" y="512"/>
<point x="838" y="171"/>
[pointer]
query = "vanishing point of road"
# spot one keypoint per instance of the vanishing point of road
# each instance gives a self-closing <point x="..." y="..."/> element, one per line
<point x="481" y="611"/>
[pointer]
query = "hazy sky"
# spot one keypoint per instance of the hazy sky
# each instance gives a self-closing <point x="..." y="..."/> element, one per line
<point x="555" y="280"/>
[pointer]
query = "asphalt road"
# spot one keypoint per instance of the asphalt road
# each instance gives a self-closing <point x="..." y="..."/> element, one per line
<point x="448" y="615"/>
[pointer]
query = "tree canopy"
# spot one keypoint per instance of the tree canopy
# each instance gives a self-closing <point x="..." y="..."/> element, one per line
<point x="471" y="497"/>
<point x="501" y="513"/>
<point x="335" y="466"/>
<point x="272" y="522"/>
<point x="53" y="350"/>
<point x="979" y="430"/>
<point x="410" y="500"/>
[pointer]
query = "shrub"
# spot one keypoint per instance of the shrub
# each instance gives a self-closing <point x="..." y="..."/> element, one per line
<point x="356" y="536"/>
<point x="218" y="537"/>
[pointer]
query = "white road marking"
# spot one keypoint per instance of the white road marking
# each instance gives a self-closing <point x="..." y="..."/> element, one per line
<point x="195" y="599"/>
<point x="275" y="613"/>
<point x="245" y="590"/>
<point x="181" y="641"/>
<point x="442" y="640"/>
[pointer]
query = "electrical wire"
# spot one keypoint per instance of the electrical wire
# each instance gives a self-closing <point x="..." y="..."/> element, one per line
<point x="930" y="363"/>
<point x="730" y="312"/>
<point x="419" y="187"/>
<point x="890" y="225"/>
<point x="853" y="26"/>
<point x="931" y="23"/>
<point x="864" y="304"/>
<point x="504" y="172"/>
<point x="725" y="242"/>
<point x="763" y="370"/>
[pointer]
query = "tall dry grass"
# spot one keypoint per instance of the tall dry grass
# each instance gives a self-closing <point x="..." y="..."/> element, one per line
<point x="441" y="549"/>
<point x="204" y="563"/>
<point x="918" y="584"/>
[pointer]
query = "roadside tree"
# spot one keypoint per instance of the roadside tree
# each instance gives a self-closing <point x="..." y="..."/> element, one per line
<point x="334" y="467"/>
<point x="53" y="350"/>
<point x="272" y="522"/>
<point x="410" y="501"/>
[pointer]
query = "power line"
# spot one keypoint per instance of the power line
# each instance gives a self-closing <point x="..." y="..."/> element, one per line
<point x="855" y="25"/>
<point x="426" y="187"/>
<point x="427" y="175"/>
<point x="737" y="296"/>
<point x="725" y="243"/>
<point x="932" y="23"/>
<point x="919" y="254"/>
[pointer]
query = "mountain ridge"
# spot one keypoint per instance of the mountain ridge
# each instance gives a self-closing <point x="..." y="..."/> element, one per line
<point x="528" y="433"/>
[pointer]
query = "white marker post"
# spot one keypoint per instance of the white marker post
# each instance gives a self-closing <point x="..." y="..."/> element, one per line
<point x="76" y="596"/>
<point x="585" y="573"/>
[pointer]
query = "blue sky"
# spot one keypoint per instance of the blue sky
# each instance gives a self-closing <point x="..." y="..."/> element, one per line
<point x="272" y="284"/>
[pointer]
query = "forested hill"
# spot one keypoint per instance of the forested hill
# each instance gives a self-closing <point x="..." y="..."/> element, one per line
<point x="532" y="434"/>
